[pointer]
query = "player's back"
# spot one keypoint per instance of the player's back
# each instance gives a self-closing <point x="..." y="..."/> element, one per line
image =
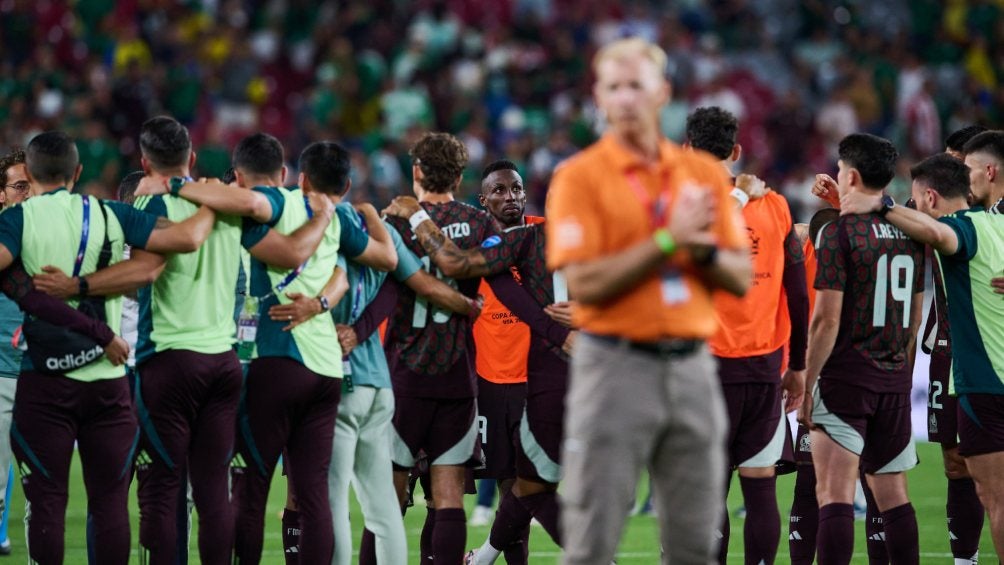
<point x="880" y="270"/>
<point x="430" y="350"/>
<point x="758" y="323"/>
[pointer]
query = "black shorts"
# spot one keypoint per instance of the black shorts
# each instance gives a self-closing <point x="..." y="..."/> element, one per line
<point x="981" y="424"/>
<point x="942" y="408"/>
<point x="540" y="435"/>
<point x="500" y="409"/>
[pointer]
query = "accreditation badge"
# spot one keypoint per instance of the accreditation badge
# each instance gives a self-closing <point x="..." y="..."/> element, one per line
<point x="674" y="288"/>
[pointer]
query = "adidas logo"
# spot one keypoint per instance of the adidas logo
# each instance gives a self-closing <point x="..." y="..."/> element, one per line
<point x="877" y="537"/>
<point x="238" y="462"/>
<point x="143" y="459"/>
<point x="794" y="536"/>
<point x="70" y="361"/>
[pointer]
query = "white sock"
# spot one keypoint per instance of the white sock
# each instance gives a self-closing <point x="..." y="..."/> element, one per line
<point x="486" y="554"/>
<point x="971" y="561"/>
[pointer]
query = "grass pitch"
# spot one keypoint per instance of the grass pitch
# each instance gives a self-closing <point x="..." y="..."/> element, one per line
<point x="640" y="541"/>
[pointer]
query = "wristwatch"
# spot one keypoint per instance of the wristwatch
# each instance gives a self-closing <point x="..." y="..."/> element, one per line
<point x="82" y="287"/>
<point x="887" y="204"/>
<point x="325" y="305"/>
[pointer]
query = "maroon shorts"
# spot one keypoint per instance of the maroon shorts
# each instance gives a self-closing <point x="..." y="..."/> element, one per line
<point x="445" y="430"/>
<point x="500" y="409"/>
<point x="756" y="432"/>
<point x="540" y="433"/>
<point x="981" y="424"/>
<point x="942" y="409"/>
<point x="875" y="426"/>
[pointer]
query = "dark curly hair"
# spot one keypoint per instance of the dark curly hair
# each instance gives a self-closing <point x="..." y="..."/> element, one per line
<point x="14" y="157"/>
<point x="442" y="158"/>
<point x="714" y="130"/>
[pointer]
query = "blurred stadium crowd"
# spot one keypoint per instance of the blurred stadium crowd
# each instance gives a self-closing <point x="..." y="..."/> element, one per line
<point x="510" y="77"/>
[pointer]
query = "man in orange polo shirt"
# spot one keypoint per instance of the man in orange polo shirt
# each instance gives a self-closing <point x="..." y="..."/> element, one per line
<point x="643" y="232"/>
<point x="750" y="344"/>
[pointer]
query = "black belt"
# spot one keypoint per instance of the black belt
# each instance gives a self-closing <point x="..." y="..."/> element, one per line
<point x="670" y="347"/>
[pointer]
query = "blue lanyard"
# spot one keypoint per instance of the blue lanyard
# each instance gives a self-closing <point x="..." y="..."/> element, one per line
<point x="295" y="272"/>
<point x="85" y="233"/>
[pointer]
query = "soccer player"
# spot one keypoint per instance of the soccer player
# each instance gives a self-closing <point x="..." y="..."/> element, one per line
<point x="969" y="246"/>
<point x="14" y="187"/>
<point x="750" y="344"/>
<point x="360" y="453"/>
<point x="258" y="161"/>
<point x="940" y="188"/>
<point x="869" y="297"/>
<point x="88" y="405"/>
<point x="955" y="143"/>
<point x="294" y="381"/>
<point x="186" y="320"/>
<point x="540" y="428"/>
<point x="804" y="517"/>
<point x="431" y="353"/>
<point x="503" y="344"/>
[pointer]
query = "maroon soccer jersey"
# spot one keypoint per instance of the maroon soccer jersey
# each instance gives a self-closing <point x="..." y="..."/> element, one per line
<point x="942" y="344"/>
<point x="431" y="351"/>
<point x="523" y="248"/>
<point x="879" y="269"/>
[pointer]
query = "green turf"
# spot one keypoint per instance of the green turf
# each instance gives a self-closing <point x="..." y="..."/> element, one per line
<point x="640" y="545"/>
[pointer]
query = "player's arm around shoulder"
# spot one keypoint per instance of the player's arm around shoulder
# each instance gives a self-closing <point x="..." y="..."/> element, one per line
<point x="451" y="260"/>
<point x="941" y="234"/>
<point x="380" y="252"/>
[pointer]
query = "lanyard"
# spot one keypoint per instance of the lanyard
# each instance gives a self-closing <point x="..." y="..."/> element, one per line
<point x="85" y="233"/>
<point x="290" y="276"/>
<point x="357" y="301"/>
<point x="657" y="209"/>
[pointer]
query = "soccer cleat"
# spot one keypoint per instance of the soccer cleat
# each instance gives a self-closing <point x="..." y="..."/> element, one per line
<point x="5" y="547"/>
<point x="470" y="556"/>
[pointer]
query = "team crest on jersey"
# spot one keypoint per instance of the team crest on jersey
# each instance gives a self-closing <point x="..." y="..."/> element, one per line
<point x="932" y="424"/>
<point x="805" y="444"/>
<point x="491" y="242"/>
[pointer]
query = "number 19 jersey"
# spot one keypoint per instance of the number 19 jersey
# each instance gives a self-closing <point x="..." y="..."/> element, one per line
<point x="879" y="269"/>
<point x="430" y="352"/>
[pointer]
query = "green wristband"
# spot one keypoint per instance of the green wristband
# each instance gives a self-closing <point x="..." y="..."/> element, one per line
<point x="664" y="241"/>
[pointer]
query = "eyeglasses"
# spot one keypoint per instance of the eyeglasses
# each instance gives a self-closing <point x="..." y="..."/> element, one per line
<point x="23" y="186"/>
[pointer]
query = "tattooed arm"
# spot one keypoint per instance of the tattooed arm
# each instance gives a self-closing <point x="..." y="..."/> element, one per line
<point x="452" y="261"/>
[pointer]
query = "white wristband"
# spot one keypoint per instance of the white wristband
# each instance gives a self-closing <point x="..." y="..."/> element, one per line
<point x="417" y="218"/>
<point x="741" y="196"/>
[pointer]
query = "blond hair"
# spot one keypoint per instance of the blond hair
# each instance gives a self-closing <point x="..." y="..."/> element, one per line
<point x="631" y="47"/>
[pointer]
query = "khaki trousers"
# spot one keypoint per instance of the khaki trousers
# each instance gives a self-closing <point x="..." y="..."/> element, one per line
<point x="628" y="410"/>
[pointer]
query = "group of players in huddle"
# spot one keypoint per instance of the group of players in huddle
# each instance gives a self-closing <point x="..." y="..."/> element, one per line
<point x="258" y="336"/>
